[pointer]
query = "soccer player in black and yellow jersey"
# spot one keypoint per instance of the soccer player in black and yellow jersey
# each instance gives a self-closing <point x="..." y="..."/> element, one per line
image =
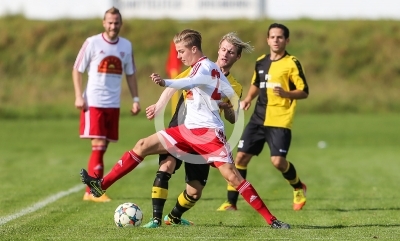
<point x="230" y="50"/>
<point x="278" y="81"/>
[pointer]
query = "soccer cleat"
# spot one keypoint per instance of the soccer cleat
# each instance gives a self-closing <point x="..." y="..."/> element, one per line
<point x="299" y="198"/>
<point x="154" y="223"/>
<point x="89" y="197"/>
<point x="93" y="183"/>
<point x="183" y="222"/>
<point x="276" y="224"/>
<point x="227" y="206"/>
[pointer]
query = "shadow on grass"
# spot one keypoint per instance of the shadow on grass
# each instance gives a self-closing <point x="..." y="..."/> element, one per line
<point x="345" y="226"/>
<point x="355" y="209"/>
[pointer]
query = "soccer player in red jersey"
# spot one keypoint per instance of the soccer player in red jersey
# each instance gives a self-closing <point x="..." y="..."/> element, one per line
<point x="106" y="56"/>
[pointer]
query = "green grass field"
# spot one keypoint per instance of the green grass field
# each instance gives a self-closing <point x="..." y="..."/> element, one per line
<point x="352" y="185"/>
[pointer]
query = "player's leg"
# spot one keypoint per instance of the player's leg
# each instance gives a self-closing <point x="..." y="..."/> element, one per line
<point x="246" y="189"/>
<point x="250" y="144"/>
<point x="279" y="140"/>
<point x="218" y="153"/>
<point x="93" y="125"/>
<point x="168" y="165"/>
<point x="129" y="161"/>
<point x="196" y="179"/>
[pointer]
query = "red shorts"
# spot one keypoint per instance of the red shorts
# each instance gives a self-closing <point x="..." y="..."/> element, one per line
<point x="101" y="123"/>
<point x="209" y="143"/>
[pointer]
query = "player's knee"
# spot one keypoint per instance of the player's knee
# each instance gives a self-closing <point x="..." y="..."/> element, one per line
<point x="234" y="179"/>
<point x="279" y="162"/>
<point x="242" y="159"/>
<point x="140" y="144"/>
<point x="167" y="166"/>
<point x="99" y="142"/>
<point x="143" y="147"/>
<point x="195" y="194"/>
<point x="194" y="189"/>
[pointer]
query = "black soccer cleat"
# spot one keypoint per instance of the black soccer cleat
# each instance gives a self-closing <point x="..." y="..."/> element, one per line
<point x="276" y="224"/>
<point x="93" y="183"/>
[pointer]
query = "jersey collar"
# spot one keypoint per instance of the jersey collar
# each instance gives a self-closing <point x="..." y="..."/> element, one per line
<point x="202" y="58"/>
<point x="115" y="42"/>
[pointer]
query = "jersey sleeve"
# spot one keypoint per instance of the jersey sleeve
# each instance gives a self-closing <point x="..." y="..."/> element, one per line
<point x="184" y="74"/>
<point x="83" y="59"/>
<point x="238" y="89"/>
<point x="297" y="76"/>
<point x="255" y="80"/>
<point x="226" y="89"/>
<point x="187" y="83"/>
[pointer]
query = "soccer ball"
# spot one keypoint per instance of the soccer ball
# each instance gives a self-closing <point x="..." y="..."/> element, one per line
<point x="128" y="215"/>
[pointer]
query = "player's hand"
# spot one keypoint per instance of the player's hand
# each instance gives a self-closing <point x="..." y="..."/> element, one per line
<point x="278" y="91"/>
<point x="151" y="112"/>
<point x="80" y="103"/>
<point x="224" y="105"/>
<point x="135" y="108"/>
<point x="245" y="104"/>
<point x="157" y="79"/>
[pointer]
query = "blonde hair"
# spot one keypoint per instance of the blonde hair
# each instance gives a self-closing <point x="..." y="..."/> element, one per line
<point x="113" y="10"/>
<point x="233" y="39"/>
<point x="189" y="37"/>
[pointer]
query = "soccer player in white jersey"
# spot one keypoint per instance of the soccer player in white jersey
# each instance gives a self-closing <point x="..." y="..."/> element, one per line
<point x="196" y="175"/>
<point x="105" y="56"/>
<point x="202" y="131"/>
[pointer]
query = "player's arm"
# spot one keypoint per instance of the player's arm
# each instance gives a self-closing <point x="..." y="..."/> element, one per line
<point x="229" y="101"/>
<point x="133" y="89"/>
<point x="82" y="61"/>
<point x="130" y="73"/>
<point x="165" y="96"/>
<point x="132" y="85"/>
<point x="298" y="78"/>
<point x="231" y="113"/>
<point x="252" y="92"/>
<point x="77" y="80"/>
<point x="181" y="84"/>
<point x="154" y="109"/>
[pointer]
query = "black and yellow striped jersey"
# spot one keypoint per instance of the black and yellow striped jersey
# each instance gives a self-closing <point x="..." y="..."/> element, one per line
<point x="287" y="72"/>
<point x="236" y="86"/>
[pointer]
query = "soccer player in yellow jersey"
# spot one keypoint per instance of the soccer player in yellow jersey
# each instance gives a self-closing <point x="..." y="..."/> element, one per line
<point x="230" y="50"/>
<point x="278" y="81"/>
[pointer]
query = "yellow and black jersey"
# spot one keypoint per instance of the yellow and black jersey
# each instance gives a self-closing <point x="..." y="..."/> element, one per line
<point x="178" y="116"/>
<point x="287" y="72"/>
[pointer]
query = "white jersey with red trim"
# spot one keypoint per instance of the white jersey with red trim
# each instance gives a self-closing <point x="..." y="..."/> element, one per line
<point x="105" y="62"/>
<point x="206" y="86"/>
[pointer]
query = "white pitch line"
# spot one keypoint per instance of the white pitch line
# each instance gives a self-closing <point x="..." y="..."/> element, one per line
<point x="41" y="204"/>
<point x="53" y="198"/>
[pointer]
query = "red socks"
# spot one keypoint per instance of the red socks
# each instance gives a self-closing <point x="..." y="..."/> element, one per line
<point x="251" y="196"/>
<point x="129" y="161"/>
<point x="96" y="163"/>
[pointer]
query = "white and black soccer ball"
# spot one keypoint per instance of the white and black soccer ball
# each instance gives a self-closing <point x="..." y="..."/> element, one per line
<point x="128" y="215"/>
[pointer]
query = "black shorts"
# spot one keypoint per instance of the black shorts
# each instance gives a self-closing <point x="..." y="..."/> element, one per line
<point x="255" y="136"/>
<point x="193" y="172"/>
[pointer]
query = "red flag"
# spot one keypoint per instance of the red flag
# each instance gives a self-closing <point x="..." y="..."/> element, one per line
<point x="173" y="63"/>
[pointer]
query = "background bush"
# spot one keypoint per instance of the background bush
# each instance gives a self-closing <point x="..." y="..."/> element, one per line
<point x="351" y="66"/>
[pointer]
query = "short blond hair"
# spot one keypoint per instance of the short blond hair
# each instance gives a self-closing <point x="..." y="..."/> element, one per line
<point x="189" y="37"/>
<point x="233" y="39"/>
<point x="113" y="10"/>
